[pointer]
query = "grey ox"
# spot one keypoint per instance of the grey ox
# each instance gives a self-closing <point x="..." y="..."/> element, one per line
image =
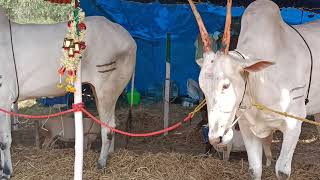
<point x="107" y="65"/>
<point x="274" y="71"/>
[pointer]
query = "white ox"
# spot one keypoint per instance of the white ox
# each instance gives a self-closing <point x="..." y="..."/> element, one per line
<point x="107" y="65"/>
<point x="280" y="83"/>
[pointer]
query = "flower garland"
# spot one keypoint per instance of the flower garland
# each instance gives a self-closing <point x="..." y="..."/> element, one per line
<point x="73" y="47"/>
<point x="60" y="1"/>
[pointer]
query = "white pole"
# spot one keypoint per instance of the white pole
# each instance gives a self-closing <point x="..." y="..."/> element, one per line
<point x="78" y="163"/>
<point x="167" y="86"/>
<point x="166" y="98"/>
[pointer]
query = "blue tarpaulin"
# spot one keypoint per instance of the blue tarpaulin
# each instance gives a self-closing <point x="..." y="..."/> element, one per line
<point x="149" y="24"/>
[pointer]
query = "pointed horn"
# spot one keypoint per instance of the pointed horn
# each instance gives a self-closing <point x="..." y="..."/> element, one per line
<point x="226" y="34"/>
<point x="203" y="32"/>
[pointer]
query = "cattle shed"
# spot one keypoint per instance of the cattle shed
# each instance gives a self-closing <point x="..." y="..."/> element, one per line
<point x="166" y="90"/>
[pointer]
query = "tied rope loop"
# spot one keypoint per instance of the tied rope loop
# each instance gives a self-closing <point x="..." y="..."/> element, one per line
<point x="78" y="107"/>
<point x="191" y="114"/>
<point x="198" y="108"/>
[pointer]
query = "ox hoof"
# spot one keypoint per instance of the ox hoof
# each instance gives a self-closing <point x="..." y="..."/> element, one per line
<point x="2" y="146"/>
<point x="268" y="164"/>
<point x="101" y="164"/>
<point x="6" y="173"/>
<point x="282" y="176"/>
<point x="252" y="175"/>
<point x="5" y="177"/>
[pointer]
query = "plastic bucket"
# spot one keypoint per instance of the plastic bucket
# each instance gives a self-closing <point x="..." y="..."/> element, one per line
<point x="136" y="97"/>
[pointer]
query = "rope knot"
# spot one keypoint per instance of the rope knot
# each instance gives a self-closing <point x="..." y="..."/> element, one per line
<point x="259" y="106"/>
<point x="78" y="107"/>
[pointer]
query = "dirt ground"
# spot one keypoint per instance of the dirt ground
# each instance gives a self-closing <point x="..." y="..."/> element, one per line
<point x="180" y="155"/>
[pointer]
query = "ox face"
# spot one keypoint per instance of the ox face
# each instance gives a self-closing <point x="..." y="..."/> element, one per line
<point x="222" y="79"/>
<point x="223" y="86"/>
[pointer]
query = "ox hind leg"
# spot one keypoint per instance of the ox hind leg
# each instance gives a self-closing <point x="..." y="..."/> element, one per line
<point x="106" y="103"/>
<point x="317" y="119"/>
<point x="108" y="85"/>
<point x="5" y="145"/>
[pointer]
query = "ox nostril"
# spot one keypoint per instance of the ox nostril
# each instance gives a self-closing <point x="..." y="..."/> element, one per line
<point x="220" y="139"/>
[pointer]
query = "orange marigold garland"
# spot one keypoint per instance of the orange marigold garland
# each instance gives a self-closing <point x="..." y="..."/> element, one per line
<point x="73" y="47"/>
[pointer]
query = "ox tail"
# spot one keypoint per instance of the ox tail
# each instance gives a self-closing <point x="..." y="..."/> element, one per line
<point x="129" y="119"/>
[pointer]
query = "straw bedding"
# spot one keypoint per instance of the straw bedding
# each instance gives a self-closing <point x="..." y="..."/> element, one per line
<point x="177" y="156"/>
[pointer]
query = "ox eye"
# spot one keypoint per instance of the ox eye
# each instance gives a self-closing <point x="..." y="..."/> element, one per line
<point x="226" y="86"/>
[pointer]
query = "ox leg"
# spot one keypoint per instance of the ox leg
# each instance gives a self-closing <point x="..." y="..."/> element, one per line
<point x="1" y="163"/>
<point x="266" y="143"/>
<point x="111" y="149"/>
<point x="226" y="152"/>
<point x="317" y="119"/>
<point x="106" y="107"/>
<point x="253" y="146"/>
<point x="290" y="140"/>
<point x="106" y="138"/>
<point x="5" y="145"/>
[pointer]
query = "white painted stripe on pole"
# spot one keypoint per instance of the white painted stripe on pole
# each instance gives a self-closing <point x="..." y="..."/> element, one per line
<point x="166" y="98"/>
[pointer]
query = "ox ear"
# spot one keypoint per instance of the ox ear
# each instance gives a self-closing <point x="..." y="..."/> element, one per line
<point x="258" y="66"/>
<point x="200" y="61"/>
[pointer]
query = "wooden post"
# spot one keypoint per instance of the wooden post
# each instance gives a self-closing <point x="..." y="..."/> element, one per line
<point x="167" y="85"/>
<point x="78" y="163"/>
<point x="37" y="134"/>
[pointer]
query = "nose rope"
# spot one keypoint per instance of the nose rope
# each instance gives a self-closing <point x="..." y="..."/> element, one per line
<point x="236" y="120"/>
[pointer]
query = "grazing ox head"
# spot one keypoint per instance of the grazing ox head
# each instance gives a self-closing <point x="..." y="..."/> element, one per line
<point x="222" y="80"/>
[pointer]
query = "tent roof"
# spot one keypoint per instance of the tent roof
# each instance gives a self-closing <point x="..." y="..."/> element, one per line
<point x="312" y="5"/>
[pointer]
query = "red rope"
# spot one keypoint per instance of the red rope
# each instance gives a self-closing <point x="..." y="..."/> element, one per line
<point x="80" y="107"/>
<point x="37" y="116"/>
<point x="175" y="126"/>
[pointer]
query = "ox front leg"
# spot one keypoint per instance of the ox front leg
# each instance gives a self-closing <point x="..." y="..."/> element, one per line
<point x="266" y="143"/>
<point x="226" y="152"/>
<point x="5" y="145"/>
<point x="290" y="139"/>
<point x="253" y="146"/>
<point x="317" y="119"/>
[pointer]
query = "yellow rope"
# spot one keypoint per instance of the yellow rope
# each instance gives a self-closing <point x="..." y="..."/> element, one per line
<point x="264" y="108"/>
<point x="198" y="108"/>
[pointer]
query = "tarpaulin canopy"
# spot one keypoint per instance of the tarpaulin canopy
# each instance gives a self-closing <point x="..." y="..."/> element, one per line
<point x="149" y="23"/>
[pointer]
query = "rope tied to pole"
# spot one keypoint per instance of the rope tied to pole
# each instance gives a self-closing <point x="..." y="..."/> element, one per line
<point x="78" y="107"/>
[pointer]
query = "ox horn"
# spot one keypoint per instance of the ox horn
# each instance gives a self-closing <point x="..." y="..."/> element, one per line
<point x="227" y="27"/>
<point x="203" y="32"/>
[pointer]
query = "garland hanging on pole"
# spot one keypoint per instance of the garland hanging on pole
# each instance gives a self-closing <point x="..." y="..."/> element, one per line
<point x="73" y="47"/>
